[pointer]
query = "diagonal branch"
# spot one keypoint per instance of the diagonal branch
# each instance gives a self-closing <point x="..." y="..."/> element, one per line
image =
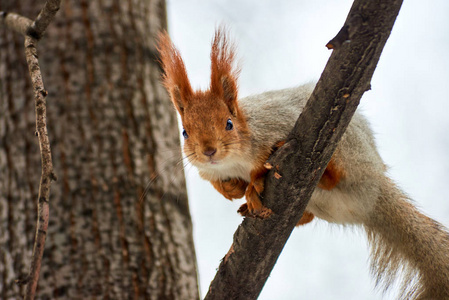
<point x="32" y="32"/>
<point x="302" y="160"/>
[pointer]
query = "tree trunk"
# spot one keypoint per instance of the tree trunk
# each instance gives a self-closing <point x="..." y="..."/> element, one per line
<point x="114" y="139"/>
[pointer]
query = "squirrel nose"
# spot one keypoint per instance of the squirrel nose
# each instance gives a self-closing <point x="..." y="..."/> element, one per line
<point x="209" y="152"/>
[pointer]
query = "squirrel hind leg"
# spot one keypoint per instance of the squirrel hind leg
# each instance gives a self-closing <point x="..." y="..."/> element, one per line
<point x="307" y="217"/>
<point x="333" y="174"/>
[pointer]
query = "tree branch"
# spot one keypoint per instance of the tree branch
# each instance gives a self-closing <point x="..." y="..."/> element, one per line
<point x="302" y="160"/>
<point x="45" y="17"/>
<point x="33" y="31"/>
<point x="15" y="22"/>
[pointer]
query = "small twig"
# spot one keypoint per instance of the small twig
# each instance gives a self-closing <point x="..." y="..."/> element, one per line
<point x="15" y="22"/>
<point x="45" y="17"/>
<point x="341" y="37"/>
<point x="346" y="32"/>
<point x="33" y="31"/>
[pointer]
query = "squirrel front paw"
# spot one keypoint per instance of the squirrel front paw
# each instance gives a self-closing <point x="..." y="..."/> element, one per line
<point x="253" y="206"/>
<point x="232" y="188"/>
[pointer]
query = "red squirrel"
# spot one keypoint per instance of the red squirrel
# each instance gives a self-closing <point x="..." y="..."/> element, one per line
<point x="229" y="140"/>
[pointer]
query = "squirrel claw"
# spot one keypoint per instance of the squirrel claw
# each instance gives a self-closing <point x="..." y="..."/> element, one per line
<point x="243" y="210"/>
<point x="265" y="213"/>
<point x="260" y="213"/>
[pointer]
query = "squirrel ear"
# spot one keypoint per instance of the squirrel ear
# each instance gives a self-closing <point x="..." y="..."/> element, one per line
<point x="223" y="75"/>
<point x="229" y="88"/>
<point x="176" y="98"/>
<point x="174" y="77"/>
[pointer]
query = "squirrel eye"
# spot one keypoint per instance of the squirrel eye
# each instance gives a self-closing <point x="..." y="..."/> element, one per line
<point x="184" y="134"/>
<point x="229" y="125"/>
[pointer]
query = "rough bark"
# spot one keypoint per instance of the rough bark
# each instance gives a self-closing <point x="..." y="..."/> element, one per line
<point x="112" y="130"/>
<point x="302" y="160"/>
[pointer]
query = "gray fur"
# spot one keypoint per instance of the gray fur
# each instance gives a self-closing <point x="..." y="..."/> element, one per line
<point x="356" y="150"/>
<point x="402" y="238"/>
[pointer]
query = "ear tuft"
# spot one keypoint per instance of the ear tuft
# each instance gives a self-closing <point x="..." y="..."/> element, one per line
<point x="174" y="77"/>
<point x="223" y="73"/>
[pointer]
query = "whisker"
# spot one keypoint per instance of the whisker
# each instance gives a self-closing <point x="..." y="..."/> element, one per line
<point x="155" y="177"/>
<point x="179" y="165"/>
<point x="232" y="143"/>
<point x="162" y="150"/>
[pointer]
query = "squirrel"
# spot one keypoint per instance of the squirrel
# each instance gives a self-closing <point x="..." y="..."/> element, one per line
<point x="229" y="140"/>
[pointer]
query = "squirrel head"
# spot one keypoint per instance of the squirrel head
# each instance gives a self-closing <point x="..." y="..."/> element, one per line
<point x="215" y="129"/>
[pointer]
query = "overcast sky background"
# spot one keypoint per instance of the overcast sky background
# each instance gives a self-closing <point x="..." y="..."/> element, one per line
<point x="282" y="44"/>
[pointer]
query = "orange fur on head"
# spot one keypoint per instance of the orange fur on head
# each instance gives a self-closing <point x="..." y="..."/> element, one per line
<point x="205" y="114"/>
<point x="174" y="77"/>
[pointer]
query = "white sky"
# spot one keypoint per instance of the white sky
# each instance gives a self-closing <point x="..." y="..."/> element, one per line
<point x="281" y="44"/>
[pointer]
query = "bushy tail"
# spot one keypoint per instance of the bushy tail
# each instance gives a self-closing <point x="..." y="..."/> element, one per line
<point x="403" y="240"/>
